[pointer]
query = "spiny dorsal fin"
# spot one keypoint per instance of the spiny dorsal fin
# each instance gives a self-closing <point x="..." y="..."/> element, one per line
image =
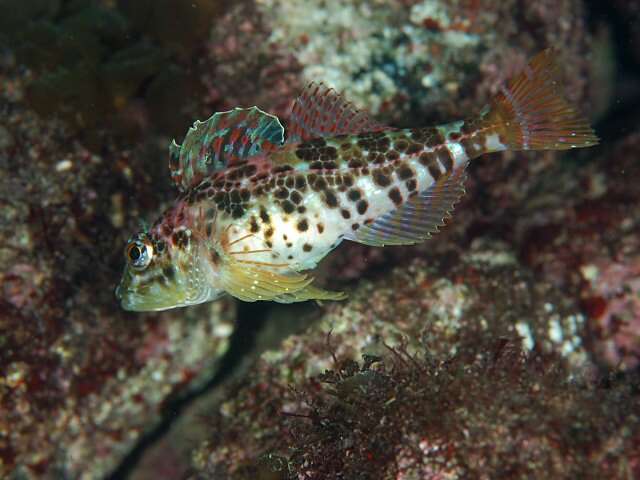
<point x="225" y="139"/>
<point x="320" y="111"/>
<point x="419" y="218"/>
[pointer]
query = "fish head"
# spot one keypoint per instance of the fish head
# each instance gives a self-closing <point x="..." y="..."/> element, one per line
<point x="164" y="273"/>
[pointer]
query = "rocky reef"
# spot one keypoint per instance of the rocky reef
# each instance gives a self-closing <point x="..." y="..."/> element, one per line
<point x="464" y="368"/>
<point x="506" y="346"/>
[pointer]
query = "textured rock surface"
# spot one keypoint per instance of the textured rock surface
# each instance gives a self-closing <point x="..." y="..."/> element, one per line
<point x="470" y="368"/>
<point x="80" y="380"/>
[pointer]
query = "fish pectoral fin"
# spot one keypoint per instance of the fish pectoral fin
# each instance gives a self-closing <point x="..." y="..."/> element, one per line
<point x="419" y="218"/>
<point x="310" y="292"/>
<point x="251" y="282"/>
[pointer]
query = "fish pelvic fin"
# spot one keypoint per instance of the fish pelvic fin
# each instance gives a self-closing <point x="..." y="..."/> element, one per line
<point x="254" y="280"/>
<point x="251" y="282"/>
<point x="530" y="113"/>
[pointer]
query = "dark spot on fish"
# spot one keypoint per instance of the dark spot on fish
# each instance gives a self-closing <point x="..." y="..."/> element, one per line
<point x="348" y="180"/>
<point x="249" y="170"/>
<point x="234" y="195"/>
<point x="288" y="206"/>
<point x="414" y="148"/>
<point x="269" y="244"/>
<point x="320" y="227"/>
<point x="320" y="184"/>
<point x="392" y="155"/>
<point x="345" y="213"/>
<point x="404" y="172"/>
<point x="289" y="182"/>
<point x="306" y="247"/>
<point x="401" y="145"/>
<point x="381" y="179"/>
<point x="160" y="246"/>
<point x="302" y="209"/>
<point x="281" y="193"/>
<point x="300" y="182"/>
<point x="436" y="138"/>
<point x="411" y="184"/>
<point x="355" y="163"/>
<point x="303" y="225"/>
<point x="295" y="197"/>
<point x="331" y="152"/>
<point x="289" y="244"/>
<point x="362" y="206"/>
<point x="264" y="216"/>
<point x="253" y="225"/>
<point x="180" y="239"/>
<point x="445" y="158"/>
<point x="281" y="168"/>
<point x="395" y="196"/>
<point x="355" y="226"/>
<point x="354" y="195"/>
<point x="268" y="232"/>
<point x="330" y="199"/>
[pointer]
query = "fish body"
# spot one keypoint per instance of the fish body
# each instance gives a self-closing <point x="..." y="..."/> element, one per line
<point x="256" y="211"/>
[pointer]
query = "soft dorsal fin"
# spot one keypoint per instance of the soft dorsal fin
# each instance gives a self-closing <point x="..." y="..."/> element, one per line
<point x="419" y="218"/>
<point x="225" y="139"/>
<point x="320" y="111"/>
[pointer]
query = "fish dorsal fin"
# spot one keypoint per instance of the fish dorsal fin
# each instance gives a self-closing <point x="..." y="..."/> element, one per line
<point x="419" y="218"/>
<point x="223" y="140"/>
<point x="320" y="111"/>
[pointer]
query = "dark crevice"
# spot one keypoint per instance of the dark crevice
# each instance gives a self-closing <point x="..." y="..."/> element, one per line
<point x="250" y="320"/>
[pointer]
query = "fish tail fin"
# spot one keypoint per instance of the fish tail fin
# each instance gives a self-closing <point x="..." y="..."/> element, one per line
<point x="530" y="113"/>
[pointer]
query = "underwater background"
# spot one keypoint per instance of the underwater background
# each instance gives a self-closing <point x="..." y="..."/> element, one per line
<point x="507" y="346"/>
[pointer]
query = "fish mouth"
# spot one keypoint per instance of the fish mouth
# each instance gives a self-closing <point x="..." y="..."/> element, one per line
<point x="158" y="298"/>
<point x="133" y="301"/>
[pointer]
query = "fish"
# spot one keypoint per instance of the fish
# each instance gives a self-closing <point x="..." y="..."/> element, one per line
<point x="258" y="207"/>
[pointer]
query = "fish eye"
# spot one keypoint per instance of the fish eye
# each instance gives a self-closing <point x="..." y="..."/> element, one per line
<point x="139" y="254"/>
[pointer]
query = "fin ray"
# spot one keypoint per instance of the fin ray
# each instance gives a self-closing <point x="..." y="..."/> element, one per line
<point x="531" y="114"/>
<point x="418" y="218"/>
<point x="225" y="139"/>
<point x="252" y="283"/>
<point x="320" y="111"/>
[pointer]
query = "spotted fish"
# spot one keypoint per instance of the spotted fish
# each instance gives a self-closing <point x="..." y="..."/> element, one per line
<point x="257" y="209"/>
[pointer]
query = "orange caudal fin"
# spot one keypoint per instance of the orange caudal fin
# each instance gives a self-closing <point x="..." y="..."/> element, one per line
<point x="531" y="113"/>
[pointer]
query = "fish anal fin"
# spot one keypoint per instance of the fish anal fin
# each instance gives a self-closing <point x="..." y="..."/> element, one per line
<point x="419" y="218"/>
<point x="225" y="139"/>
<point x="320" y="111"/>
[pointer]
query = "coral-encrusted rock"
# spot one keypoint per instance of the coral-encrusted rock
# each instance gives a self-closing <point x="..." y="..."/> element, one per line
<point x="587" y="242"/>
<point x="417" y="59"/>
<point x="81" y="380"/>
<point x="471" y="368"/>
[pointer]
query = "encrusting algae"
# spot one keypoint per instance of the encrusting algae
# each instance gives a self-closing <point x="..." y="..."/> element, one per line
<point x="255" y="209"/>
